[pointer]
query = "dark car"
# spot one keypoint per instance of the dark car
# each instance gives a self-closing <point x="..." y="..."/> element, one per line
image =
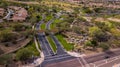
<point x="106" y="57"/>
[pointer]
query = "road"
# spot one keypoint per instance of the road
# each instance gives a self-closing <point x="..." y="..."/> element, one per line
<point x="51" y="59"/>
<point x="60" y="49"/>
<point x="43" y="41"/>
<point x="10" y="12"/>
<point x="102" y="56"/>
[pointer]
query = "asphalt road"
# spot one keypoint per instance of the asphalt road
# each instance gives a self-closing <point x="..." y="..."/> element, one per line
<point x="60" y="49"/>
<point x="43" y="41"/>
<point x="61" y="56"/>
<point x="102" y="56"/>
<point x="50" y="57"/>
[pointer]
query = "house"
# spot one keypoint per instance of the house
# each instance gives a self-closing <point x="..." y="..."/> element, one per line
<point x="20" y="14"/>
<point x="2" y="11"/>
<point x="14" y="8"/>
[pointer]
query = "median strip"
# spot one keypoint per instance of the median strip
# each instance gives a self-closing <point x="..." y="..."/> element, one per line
<point x="52" y="44"/>
<point x="67" y="46"/>
<point x="42" y="26"/>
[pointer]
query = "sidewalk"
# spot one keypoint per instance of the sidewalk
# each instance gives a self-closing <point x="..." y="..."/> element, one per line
<point x="75" y="54"/>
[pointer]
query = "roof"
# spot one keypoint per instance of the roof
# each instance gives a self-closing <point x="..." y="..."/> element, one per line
<point x="20" y="14"/>
<point x="1" y="9"/>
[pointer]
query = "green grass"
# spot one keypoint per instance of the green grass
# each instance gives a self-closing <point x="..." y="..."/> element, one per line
<point x="31" y="46"/>
<point x="66" y="45"/>
<point x="43" y="26"/>
<point x="49" y="17"/>
<point x="52" y="44"/>
<point x="53" y="25"/>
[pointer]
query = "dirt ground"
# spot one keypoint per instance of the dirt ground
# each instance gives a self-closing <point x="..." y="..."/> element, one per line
<point x="32" y="2"/>
<point x="13" y="47"/>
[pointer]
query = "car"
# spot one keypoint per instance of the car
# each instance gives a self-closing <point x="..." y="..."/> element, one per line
<point x="53" y="54"/>
<point x="56" y="54"/>
<point x="106" y="57"/>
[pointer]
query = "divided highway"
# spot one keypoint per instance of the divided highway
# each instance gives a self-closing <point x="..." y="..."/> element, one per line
<point x="60" y="49"/>
<point x="43" y="41"/>
<point x="50" y="57"/>
<point x="61" y="55"/>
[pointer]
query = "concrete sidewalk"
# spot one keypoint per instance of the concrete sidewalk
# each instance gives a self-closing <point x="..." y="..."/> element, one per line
<point x="75" y="54"/>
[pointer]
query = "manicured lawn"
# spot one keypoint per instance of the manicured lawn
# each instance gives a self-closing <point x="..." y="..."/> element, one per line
<point x="66" y="45"/>
<point x="43" y="26"/>
<point x="52" y="44"/>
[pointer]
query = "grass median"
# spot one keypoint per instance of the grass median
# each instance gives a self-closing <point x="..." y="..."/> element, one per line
<point x="52" y="44"/>
<point x="67" y="46"/>
<point x="53" y="25"/>
<point x="43" y="25"/>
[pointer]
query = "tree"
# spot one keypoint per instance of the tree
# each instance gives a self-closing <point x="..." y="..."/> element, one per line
<point x="105" y="26"/>
<point x="104" y="46"/>
<point x="97" y="10"/>
<point x="77" y="30"/>
<point x="87" y="10"/>
<point x="101" y="36"/>
<point x="7" y="36"/>
<point x="115" y="32"/>
<point x="98" y="34"/>
<point x="19" y="27"/>
<point x="24" y="54"/>
<point x="93" y="30"/>
<point x="91" y="43"/>
<point x="6" y="59"/>
<point x="88" y="43"/>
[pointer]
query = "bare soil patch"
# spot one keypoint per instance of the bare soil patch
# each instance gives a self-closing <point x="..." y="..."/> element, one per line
<point x="29" y="2"/>
<point x="14" y="47"/>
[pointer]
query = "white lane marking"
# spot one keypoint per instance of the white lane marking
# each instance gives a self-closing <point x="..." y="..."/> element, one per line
<point x="106" y="63"/>
<point x="63" y="62"/>
<point x="94" y="65"/>
<point x="80" y="62"/>
<point x="117" y="57"/>
<point x="86" y="64"/>
<point x="58" y="58"/>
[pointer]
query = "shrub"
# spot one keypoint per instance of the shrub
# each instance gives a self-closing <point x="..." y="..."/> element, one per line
<point x="24" y="54"/>
<point x="104" y="46"/>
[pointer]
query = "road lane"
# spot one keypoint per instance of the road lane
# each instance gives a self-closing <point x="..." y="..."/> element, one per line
<point x="43" y="41"/>
<point x="60" y="49"/>
<point x="102" y="56"/>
